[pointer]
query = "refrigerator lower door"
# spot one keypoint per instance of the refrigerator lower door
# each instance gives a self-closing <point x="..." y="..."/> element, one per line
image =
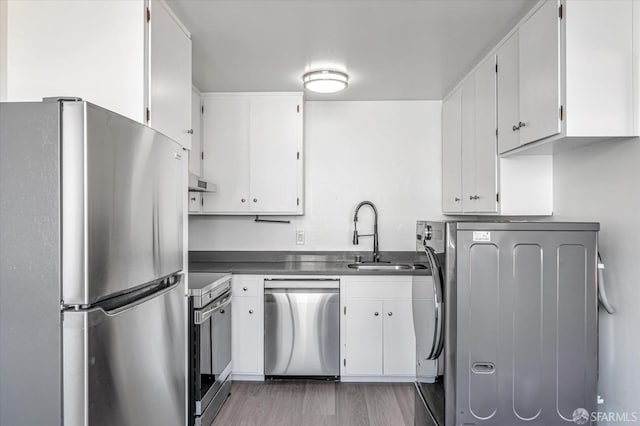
<point x="302" y="332"/>
<point x="129" y="367"/>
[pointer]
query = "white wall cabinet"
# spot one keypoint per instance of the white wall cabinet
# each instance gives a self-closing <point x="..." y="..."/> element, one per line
<point x="170" y="75"/>
<point x="247" y="327"/>
<point x="552" y="94"/>
<point x="475" y="181"/>
<point x="252" y="150"/>
<point x="378" y="341"/>
<point x="452" y="153"/>
<point x="195" y="155"/>
<point x="121" y="61"/>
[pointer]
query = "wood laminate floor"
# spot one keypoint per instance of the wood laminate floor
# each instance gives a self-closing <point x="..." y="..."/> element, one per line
<point x="317" y="403"/>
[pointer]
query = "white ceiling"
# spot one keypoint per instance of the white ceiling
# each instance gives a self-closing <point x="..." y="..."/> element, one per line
<point x="392" y="50"/>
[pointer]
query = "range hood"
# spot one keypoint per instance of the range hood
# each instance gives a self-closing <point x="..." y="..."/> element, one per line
<point x="196" y="184"/>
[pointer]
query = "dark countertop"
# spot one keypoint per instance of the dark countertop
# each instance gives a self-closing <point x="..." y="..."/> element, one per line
<point x="297" y="263"/>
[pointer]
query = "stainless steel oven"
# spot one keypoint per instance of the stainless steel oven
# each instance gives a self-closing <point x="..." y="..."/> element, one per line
<point x="210" y="344"/>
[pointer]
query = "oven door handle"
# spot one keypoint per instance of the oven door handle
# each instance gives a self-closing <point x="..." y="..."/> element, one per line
<point x="200" y="317"/>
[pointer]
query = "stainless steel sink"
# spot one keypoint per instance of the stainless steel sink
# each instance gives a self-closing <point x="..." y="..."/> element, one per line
<point x="375" y="266"/>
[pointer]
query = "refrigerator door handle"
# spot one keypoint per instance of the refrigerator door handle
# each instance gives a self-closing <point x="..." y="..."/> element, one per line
<point x="436" y="274"/>
<point x="138" y="302"/>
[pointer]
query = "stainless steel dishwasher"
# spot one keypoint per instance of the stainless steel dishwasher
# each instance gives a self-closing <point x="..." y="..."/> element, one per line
<point x="302" y="328"/>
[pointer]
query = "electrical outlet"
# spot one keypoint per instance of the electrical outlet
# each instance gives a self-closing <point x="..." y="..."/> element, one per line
<point x="300" y="237"/>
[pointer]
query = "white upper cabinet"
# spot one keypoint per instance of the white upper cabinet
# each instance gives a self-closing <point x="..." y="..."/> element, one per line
<point x="485" y="143"/>
<point x="508" y="85"/>
<point x="452" y="153"/>
<point x="552" y="94"/>
<point x="539" y="74"/>
<point x="252" y="151"/>
<point x="225" y="153"/>
<point x="170" y="75"/>
<point x="94" y="50"/>
<point x="195" y="154"/>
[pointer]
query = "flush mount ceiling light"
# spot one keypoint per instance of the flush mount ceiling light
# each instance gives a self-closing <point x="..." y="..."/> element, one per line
<point x="325" y="81"/>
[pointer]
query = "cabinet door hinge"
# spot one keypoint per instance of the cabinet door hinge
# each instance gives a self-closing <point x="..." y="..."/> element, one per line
<point x="344" y="362"/>
<point x="202" y="155"/>
<point x="202" y="201"/>
<point x="202" y="109"/>
<point x="497" y="197"/>
<point x="298" y="155"/>
<point x="496" y="67"/>
<point x="148" y="15"/>
<point x="561" y="12"/>
<point x="148" y="115"/>
<point x="297" y="201"/>
<point x="496" y="132"/>
<point x="561" y="112"/>
<point x="345" y="310"/>
<point x="297" y="108"/>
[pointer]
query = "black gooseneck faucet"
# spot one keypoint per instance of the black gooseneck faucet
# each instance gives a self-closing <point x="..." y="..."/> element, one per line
<point x="356" y="236"/>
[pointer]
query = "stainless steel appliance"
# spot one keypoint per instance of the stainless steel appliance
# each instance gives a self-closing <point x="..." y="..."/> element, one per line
<point x="210" y="345"/>
<point x="302" y="328"/>
<point x="93" y="306"/>
<point x="512" y="324"/>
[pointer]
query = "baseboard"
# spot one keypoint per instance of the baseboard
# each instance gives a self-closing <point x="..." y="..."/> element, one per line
<point x="378" y="379"/>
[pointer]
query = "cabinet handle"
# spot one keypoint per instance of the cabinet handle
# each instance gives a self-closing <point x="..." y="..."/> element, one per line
<point x="244" y="289"/>
<point x="390" y="313"/>
<point x="456" y="199"/>
<point x="516" y="128"/>
<point x="250" y="311"/>
<point x="255" y="200"/>
<point x="243" y="200"/>
<point x="474" y="197"/>
<point x="190" y="131"/>
<point x="376" y="314"/>
<point x="222" y="311"/>
<point x="193" y="198"/>
<point x="521" y="124"/>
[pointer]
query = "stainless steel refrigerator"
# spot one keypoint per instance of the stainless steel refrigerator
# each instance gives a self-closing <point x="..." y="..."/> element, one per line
<point x="92" y="297"/>
<point x="509" y="335"/>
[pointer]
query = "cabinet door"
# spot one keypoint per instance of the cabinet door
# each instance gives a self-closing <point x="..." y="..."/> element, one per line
<point x="276" y="133"/>
<point x="399" y="339"/>
<point x="452" y="154"/>
<point x="196" y="136"/>
<point x="170" y="76"/>
<point x="508" y="95"/>
<point x="363" y="329"/>
<point x="468" y="164"/>
<point x="225" y="146"/>
<point x="485" y="144"/>
<point x="245" y="335"/>
<point x="540" y="74"/>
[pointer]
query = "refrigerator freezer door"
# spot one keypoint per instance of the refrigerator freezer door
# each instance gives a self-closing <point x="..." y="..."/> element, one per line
<point x="122" y="198"/>
<point x="127" y="368"/>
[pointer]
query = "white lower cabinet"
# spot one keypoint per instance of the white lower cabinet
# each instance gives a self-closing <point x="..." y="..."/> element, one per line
<point x="378" y="340"/>
<point x="247" y="325"/>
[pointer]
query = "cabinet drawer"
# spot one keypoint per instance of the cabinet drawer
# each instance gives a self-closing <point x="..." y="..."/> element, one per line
<point x="246" y="287"/>
<point x="375" y="287"/>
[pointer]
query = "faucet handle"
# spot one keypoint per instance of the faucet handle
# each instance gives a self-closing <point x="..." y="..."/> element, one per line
<point x="358" y="258"/>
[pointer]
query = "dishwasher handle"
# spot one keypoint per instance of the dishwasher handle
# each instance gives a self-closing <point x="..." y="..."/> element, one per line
<point x="298" y="284"/>
<point x="306" y="290"/>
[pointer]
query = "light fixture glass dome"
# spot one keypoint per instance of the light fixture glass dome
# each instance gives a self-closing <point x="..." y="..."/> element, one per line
<point x="325" y="81"/>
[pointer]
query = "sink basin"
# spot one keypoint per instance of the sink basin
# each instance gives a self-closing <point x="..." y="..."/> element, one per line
<point x="384" y="266"/>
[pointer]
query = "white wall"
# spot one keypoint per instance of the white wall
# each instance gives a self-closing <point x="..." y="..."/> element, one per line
<point x="388" y="152"/>
<point x="92" y="49"/>
<point x="600" y="183"/>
